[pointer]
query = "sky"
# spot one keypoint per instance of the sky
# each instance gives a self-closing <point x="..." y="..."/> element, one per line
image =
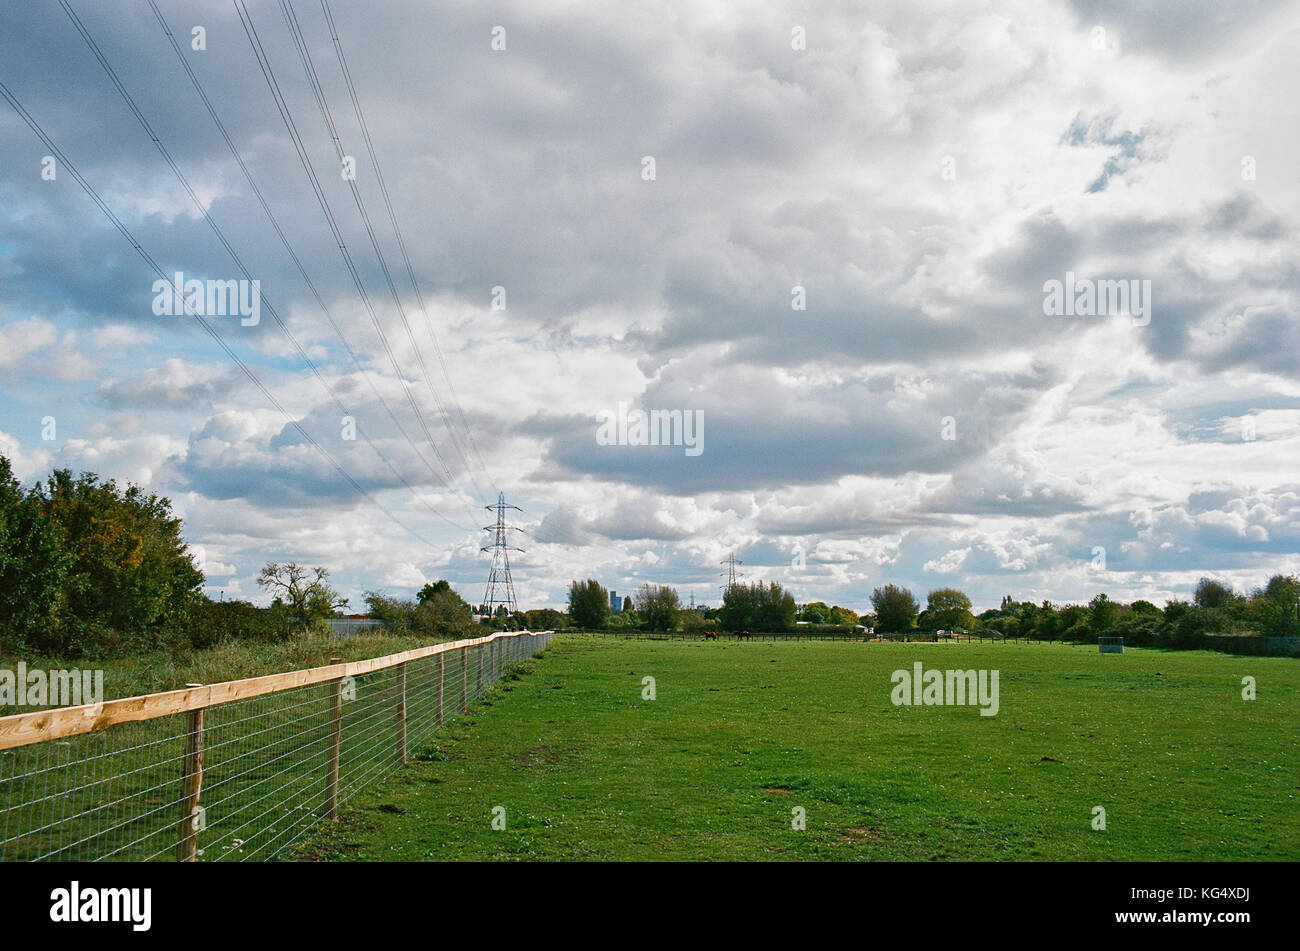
<point x="826" y="234"/>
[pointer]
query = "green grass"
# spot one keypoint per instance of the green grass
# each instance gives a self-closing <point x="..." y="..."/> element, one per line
<point x="740" y="733"/>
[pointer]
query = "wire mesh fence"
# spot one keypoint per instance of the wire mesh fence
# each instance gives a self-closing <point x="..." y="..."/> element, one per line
<point x="239" y="779"/>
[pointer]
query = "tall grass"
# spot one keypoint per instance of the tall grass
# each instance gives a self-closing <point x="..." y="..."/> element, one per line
<point x="160" y="670"/>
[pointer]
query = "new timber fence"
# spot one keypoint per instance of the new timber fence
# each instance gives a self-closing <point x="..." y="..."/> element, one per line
<point x="235" y="770"/>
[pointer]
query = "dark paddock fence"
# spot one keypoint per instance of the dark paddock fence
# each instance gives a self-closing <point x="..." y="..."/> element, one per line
<point x="1222" y="643"/>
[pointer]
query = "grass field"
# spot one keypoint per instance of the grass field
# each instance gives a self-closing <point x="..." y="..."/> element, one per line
<point x="741" y="733"/>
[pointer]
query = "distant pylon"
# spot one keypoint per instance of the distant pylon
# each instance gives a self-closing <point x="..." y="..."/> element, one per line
<point x="500" y="588"/>
<point x="731" y="572"/>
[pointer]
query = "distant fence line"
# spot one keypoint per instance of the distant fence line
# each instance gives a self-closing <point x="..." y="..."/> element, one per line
<point x="723" y="635"/>
<point x="236" y="770"/>
<point x="1223" y="643"/>
<point x="349" y="627"/>
<point x="917" y="636"/>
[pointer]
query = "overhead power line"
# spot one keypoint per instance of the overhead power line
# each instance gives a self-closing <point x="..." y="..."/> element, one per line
<point x="66" y="163"/>
<point x="322" y="102"/>
<point x="288" y="247"/>
<point x="221" y="237"/>
<point x="286" y="116"/>
<point x="401" y="241"/>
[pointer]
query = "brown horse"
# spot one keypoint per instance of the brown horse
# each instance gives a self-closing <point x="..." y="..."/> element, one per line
<point x="710" y="635"/>
<point x="742" y="635"/>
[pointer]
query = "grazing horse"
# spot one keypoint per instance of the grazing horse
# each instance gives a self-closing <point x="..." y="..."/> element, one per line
<point x="710" y="635"/>
<point x="742" y="635"/>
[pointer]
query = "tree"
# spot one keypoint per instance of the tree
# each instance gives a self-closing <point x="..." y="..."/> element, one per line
<point x="1072" y="623"/>
<point x="758" y="607"/>
<point x="545" y="619"/>
<point x="304" y="591"/>
<point x="212" y="622"/>
<point x="895" y="608"/>
<point x="694" y="622"/>
<point x="34" y="568"/>
<point x="815" y="612"/>
<point x="430" y="591"/>
<point x="1211" y="593"/>
<point x="625" y="620"/>
<point x="588" y="604"/>
<point x="842" y="616"/>
<point x="123" y="575"/>
<point x="1276" y="607"/>
<point x="658" y="606"/>
<point x="1102" y="612"/>
<point x="627" y="604"/>
<point x="440" y="610"/>
<point x="949" y="609"/>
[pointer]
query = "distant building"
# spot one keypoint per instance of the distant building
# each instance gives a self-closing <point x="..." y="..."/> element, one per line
<point x="615" y="603"/>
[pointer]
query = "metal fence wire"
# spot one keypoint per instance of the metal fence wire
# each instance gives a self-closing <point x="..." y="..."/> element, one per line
<point x="238" y="779"/>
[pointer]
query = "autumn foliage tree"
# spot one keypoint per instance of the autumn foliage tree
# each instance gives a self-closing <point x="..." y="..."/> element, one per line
<point x="87" y="566"/>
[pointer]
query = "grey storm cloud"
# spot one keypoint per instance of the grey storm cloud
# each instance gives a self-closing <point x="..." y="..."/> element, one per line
<point x="1191" y="29"/>
<point x="879" y="427"/>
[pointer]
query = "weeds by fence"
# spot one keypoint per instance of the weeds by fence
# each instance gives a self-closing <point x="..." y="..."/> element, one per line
<point x="238" y="770"/>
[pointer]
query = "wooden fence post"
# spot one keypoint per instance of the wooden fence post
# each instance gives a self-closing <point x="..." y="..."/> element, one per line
<point x="187" y="848"/>
<point x="401" y="714"/>
<point x="442" y="670"/>
<point x="336" y="735"/>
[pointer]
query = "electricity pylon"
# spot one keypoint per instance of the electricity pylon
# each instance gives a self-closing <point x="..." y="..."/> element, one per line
<point x="731" y="572"/>
<point x="499" y="582"/>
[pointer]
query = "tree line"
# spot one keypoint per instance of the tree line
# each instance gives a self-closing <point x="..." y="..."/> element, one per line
<point x="1215" y="608"/>
<point x="89" y="567"/>
<point x="1271" y="610"/>
<point x="756" y="606"/>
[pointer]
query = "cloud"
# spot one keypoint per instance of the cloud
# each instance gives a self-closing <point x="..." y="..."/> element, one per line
<point x="949" y="563"/>
<point x="20" y="338"/>
<point x="177" y="385"/>
<point x="844" y="248"/>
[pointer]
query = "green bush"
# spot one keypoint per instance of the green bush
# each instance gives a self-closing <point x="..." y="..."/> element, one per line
<point x="212" y="622"/>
